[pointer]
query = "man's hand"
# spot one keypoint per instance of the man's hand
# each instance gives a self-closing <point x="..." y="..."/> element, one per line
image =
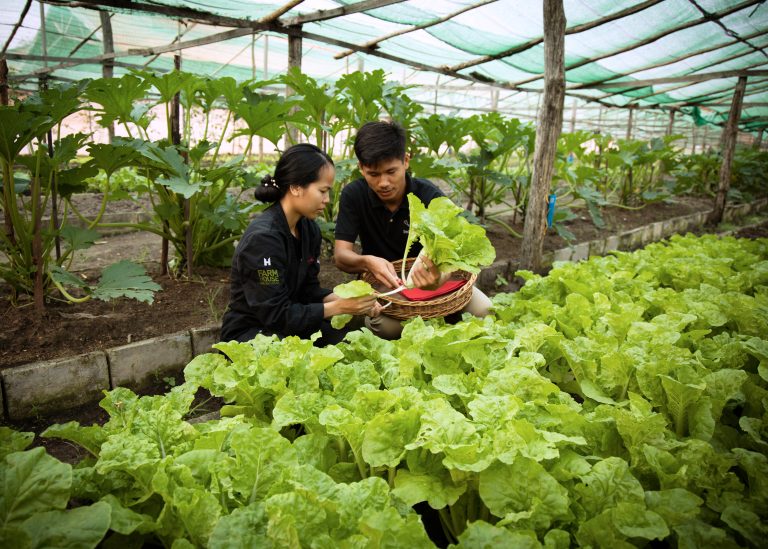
<point x="425" y="275"/>
<point x="383" y="271"/>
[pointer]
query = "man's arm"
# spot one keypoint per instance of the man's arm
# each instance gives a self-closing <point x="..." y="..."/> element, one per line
<point x="348" y="260"/>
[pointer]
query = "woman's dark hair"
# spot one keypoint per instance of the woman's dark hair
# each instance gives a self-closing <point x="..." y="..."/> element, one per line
<point x="299" y="165"/>
<point x="378" y="142"/>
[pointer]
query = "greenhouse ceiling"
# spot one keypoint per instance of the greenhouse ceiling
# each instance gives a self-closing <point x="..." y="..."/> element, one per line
<point x="682" y="55"/>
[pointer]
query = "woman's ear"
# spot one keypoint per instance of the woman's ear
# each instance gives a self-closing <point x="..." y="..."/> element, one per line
<point x="295" y="190"/>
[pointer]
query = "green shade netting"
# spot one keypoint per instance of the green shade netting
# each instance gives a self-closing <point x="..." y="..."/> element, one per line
<point x="497" y="41"/>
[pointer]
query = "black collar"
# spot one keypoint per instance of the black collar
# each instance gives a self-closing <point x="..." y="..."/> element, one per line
<point x="376" y="202"/>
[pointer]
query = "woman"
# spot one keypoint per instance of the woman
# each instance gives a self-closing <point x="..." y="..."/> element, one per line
<point x="274" y="285"/>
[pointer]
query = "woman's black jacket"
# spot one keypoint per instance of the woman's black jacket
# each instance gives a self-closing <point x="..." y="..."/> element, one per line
<point x="274" y="284"/>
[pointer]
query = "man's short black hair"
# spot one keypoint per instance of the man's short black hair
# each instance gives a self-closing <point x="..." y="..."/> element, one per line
<point x="378" y="142"/>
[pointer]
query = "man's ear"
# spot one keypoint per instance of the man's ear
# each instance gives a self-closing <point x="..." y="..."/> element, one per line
<point x="406" y="160"/>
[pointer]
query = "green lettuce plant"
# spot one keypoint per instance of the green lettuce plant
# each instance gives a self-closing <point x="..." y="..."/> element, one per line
<point x="354" y="288"/>
<point x="448" y="239"/>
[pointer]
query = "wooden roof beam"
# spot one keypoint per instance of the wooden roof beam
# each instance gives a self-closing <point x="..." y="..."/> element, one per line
<point x="371" y="44"/>
<point x="16" y="26"/>
<point x="323" y="15"/>
<point x="690" y="79"/>
<point x="573" y="30"/>
<point x="650" y="39"/>
<point x="200" y="16"/>
<point x="677" y="60"/>
<point x="728" y="31"/>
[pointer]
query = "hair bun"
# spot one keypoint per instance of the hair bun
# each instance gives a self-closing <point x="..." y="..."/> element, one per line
<point x="269" y="181"/>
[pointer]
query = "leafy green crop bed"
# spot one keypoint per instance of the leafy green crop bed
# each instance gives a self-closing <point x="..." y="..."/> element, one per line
<point x="611" y="403"/>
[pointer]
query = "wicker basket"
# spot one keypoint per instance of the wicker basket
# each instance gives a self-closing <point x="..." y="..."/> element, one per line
<point x="403" y="309"/>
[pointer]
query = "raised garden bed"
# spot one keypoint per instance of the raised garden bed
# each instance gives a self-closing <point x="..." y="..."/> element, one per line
<point x="126" y="343"/>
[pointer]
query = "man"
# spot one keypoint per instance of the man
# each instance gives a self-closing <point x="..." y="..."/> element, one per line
<point x="375" y="208"/>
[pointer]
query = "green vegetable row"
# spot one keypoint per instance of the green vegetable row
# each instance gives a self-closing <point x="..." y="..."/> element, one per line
<point x="618" y="402"/>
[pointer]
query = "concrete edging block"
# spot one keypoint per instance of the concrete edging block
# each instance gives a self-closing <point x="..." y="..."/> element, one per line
<point x="668" y="228"/>
<point x="657" y="230"/>
<point x="580" y="251"/>
<point x="563" y="254"/>
<point x="203" y="338"/>
<point x="596" y="247"/>
<point x="55" y="384"/>
<point x="141" y="363"/>
<point x="611" y="243"/>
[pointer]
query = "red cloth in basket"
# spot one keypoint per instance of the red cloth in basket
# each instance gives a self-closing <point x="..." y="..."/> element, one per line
<point x="417" y="294"/>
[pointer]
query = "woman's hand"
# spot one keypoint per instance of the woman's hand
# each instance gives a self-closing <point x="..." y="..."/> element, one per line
<point x="366" y="305"/>
<point x="425" y="274"/>
<point x="383" y="271"/>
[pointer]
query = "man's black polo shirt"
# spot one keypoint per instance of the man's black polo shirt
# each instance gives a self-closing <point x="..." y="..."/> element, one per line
<point x="382" y="233"/>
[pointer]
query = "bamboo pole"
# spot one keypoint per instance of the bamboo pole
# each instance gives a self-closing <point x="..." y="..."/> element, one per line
<point x="729" y="146"/>
<point x="629" y="123"/>
<point x="671" y="124"/>
<point x="437" y="87"/>
<point x="573" y="116"/>
<point x="37" y="230"/>
<point x="4" y="99"/>
<point x="38" y="291"/>
<point x="265" y="77"/>
<point x="694" y="134"/>
<point x="294" y="60"/>
<point x="107" y="67"/>
<point x="550" y="123"/>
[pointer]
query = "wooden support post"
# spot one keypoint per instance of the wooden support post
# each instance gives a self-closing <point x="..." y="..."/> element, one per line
<point x="437" y="87"/>
<point x="36" y="189"/>
<point x="108" y="65"/>
<point x="253" y="56"/>
<point x="573" y="116"/>
<point x="4" y="99"/>
<point x="550" y="124"/>
<point x="756" y="144"/>
<point x="694" y="132"/>
<point x="43" y="34"/>
<point x="629" y="123"/>
<point x="176" y="139"/>
<point x="704" y="139"/>
<point x="265" y="77"/>
<point x="729" y="146"/>
<point x="294" y="60"/>
<point x="671" y="124"/>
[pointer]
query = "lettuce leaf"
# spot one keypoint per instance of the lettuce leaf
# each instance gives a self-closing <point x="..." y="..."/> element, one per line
<point x="449" y="240"/>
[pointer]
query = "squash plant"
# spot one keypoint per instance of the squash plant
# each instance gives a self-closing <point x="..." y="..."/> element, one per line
<point x="634" y="172"/>
<point x="331" y="114"/>
<point x="498" y="167"/>
<point x="31" y="183"/>
<point x="192" y="207"/>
